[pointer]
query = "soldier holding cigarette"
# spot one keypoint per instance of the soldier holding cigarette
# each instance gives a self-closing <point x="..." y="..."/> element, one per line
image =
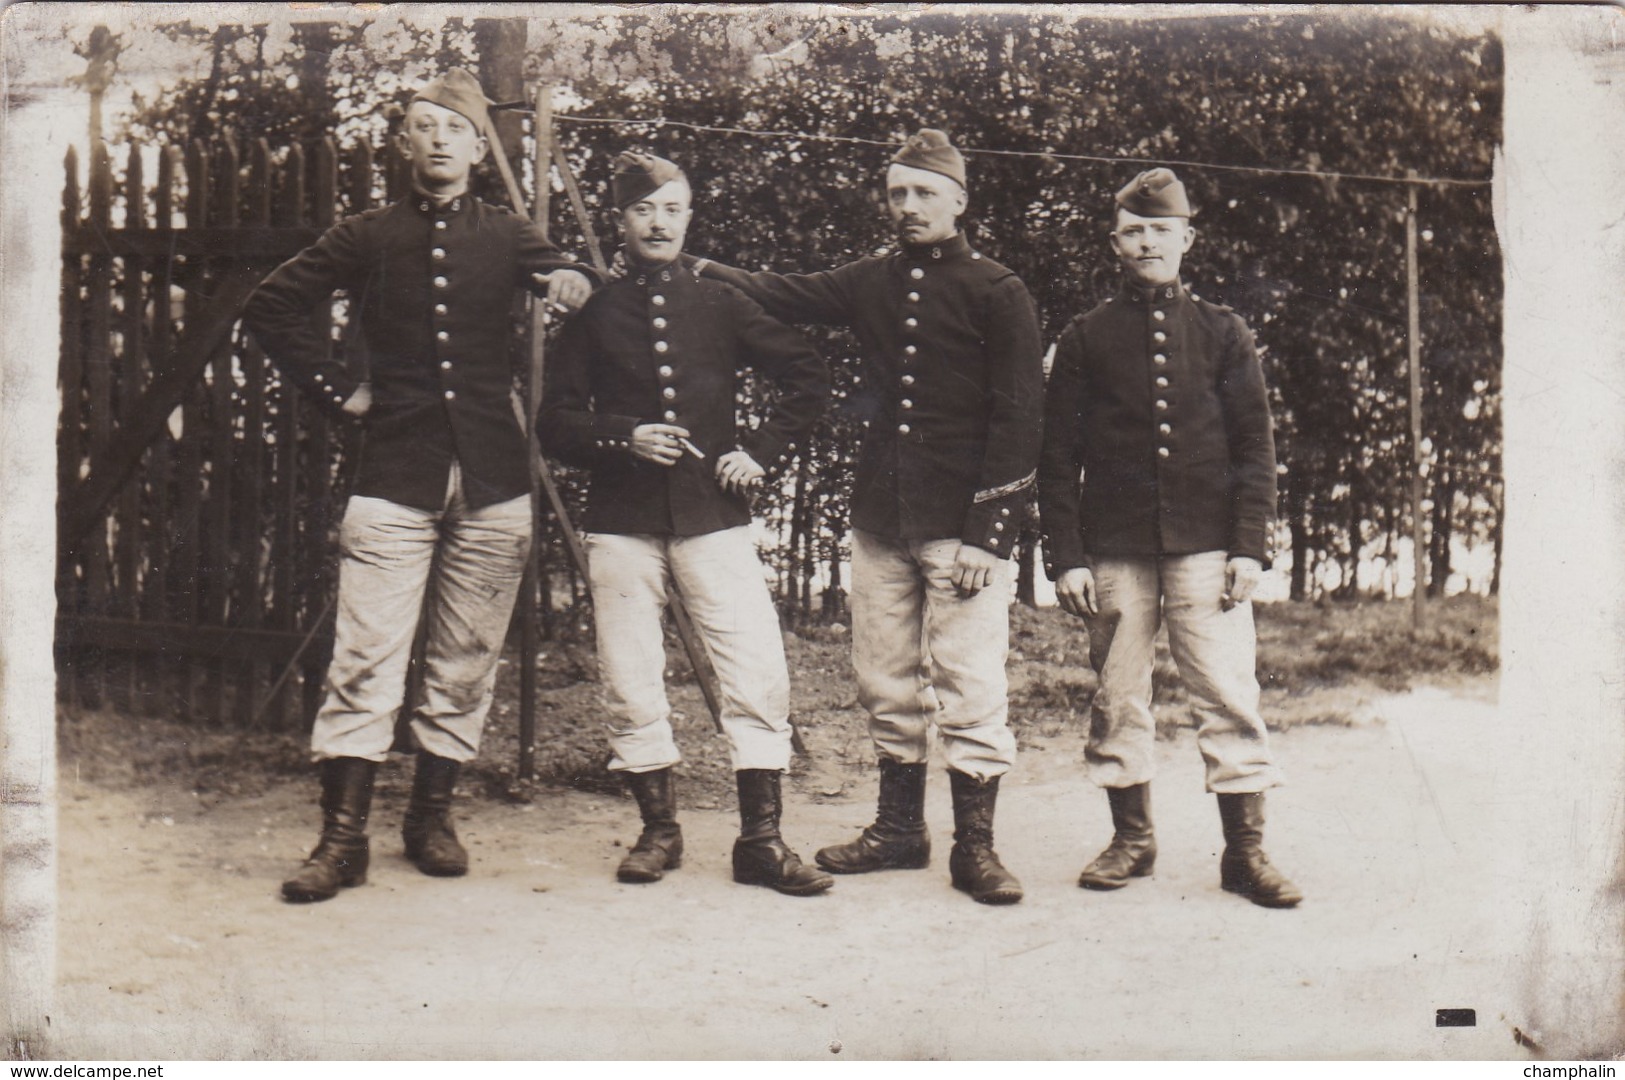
<point x="641" y="391"/>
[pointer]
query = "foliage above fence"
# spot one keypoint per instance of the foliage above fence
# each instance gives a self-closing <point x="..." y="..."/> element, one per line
<point x="1283" y="119"/>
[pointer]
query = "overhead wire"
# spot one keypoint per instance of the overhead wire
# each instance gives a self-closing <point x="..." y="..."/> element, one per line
<point x="1047" y="155"/>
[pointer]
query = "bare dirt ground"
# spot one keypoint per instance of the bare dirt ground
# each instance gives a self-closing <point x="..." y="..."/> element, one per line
<point x="174" y="943"/>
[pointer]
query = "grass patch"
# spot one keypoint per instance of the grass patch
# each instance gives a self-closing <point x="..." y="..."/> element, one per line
<point x="1303" y="646"/>
<point x="1318" y="663"/>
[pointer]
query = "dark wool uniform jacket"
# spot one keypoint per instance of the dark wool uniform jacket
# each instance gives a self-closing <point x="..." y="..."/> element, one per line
<point x="434" y="288"/>
<point x="953" y="384"/>
<point x="1157" y="397"/>
<point x="660" y="346"/>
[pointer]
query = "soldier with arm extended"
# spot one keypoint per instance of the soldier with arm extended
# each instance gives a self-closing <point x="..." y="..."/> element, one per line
<point x="953" y="364"/>
<point x="443" y="488"/>
<point x="641" y="391"/>
<point x="1157" y="398"/>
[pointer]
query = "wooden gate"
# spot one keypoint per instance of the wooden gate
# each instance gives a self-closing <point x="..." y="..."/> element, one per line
<point x="197" y="493"/>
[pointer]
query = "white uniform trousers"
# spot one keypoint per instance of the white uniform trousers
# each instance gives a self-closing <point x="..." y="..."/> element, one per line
<point x="924" y="654"/>
<point x="387" y="554"/>
<point x="1215" y="650"/>
<point x="720" y="579"/>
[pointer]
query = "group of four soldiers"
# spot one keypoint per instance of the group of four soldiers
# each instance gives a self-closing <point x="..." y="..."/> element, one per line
<point x="1156" y="399"/>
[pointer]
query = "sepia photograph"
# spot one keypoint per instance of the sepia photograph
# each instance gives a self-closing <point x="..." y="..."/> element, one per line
<point x="812" y="532"/>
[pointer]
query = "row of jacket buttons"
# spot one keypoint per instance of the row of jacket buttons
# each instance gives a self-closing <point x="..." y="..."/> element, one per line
<point x="1161" y="359"/>
<point x="438" y="254"/>
<point x="910" y="322"/>
<point x="910" y="350"/>
<point x="668" y="392"/>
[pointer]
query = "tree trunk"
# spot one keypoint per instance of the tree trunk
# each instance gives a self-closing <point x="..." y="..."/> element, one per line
<point x="1348" y="587"/>
<point x="798" y="569"/>
<point x="1444" y="500"/>
<point x="501" y="46"/>
<point x="1390" y="584"/>
<point x="313" y="49"/>
<point x="1027" y="568"/>
<point x="834" y="592"/>
<point x="809" y="565"/>
<point x="1495" y="539"/>
<point x="1298" y="521"/>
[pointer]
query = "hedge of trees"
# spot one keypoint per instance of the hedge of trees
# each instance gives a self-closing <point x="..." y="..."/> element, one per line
<point x="1290" y="131"/>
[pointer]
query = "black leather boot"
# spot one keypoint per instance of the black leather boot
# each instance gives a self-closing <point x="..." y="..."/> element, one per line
<point x="1133" y="848"/>
<point x="898" y="839"/>
<point x="340" y="858"/>
<point x="761" y="856"/>
<point x="1244" y="868"/>
<point x="660" y="845"/>
<point x="431" y="842"/>
<point x="972" y="864"/>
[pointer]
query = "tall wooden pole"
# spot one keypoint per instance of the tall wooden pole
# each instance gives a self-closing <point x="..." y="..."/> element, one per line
<point x="543" y="124"/>
<point x="1414" y="345"/>
<point x="529" y="635"/>
<point x="102" y="54"/>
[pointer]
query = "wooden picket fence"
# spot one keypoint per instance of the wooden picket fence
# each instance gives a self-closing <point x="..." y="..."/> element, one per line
<point x="198" y="494"/>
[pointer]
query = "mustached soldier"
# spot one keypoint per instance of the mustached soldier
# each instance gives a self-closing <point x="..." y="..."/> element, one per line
<point x="641" y="391"/>
<point x="1158" y="398"/>
<point x="443" y="485"/>
<point x="954" y="371"/>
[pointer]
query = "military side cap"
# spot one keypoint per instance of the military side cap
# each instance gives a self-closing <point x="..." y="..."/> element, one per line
<point x="930" y="149"/>
<point x="460" y="92"/>
<point x="638" y="176"/>
<point x="1155" y="193"/>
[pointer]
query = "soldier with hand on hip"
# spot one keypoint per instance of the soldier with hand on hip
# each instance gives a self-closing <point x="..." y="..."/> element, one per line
<point x="443" y="488"/>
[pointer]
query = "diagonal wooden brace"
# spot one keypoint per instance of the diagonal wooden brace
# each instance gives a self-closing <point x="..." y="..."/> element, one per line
<point x="84" y="506"/>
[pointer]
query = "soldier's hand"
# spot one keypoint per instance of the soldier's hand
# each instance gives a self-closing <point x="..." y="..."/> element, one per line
<point x="737" y="472"/>
<point x="1076" y="591"/>
<point x="1241" y="577"/>
<point x="359" y="402"/>
<point x="659" y="443"/>
<point x="973" y="569"/>
<point x="567" y="290"/>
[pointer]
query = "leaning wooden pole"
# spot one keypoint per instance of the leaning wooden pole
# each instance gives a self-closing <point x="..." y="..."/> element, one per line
<point x="1414" y="343"/>
<point x="529" y="635"/>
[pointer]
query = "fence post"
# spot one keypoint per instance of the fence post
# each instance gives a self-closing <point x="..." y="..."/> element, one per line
<point x="132" y="364"/>
<point x="1414" y="349"/>
<point x="168" y="670"/>
<point x="71" y="373"/>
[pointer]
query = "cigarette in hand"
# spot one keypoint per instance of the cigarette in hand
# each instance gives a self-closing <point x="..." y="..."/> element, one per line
<point x="691" y="448"/>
